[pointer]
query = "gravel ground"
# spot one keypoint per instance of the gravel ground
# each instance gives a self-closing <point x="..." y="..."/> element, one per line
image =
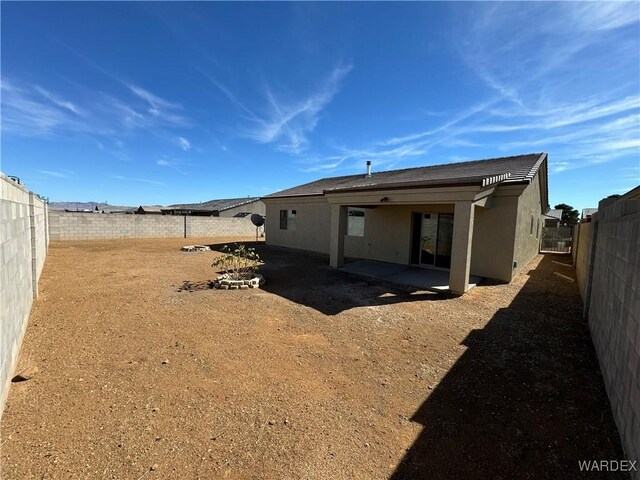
<point x="147" y="372"/>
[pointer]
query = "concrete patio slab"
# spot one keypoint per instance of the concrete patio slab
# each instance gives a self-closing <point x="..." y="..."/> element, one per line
<point x="418" y="277"/>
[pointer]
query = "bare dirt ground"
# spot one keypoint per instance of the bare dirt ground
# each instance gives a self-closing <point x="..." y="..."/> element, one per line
<point x="317" y="375"/>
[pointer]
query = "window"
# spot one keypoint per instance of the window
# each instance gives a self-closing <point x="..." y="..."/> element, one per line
<point x="287" y="219"/>
<point x="355" y="222"/>
<point x="538" y="228"/>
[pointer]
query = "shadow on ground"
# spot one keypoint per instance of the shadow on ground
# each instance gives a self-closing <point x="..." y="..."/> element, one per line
<point x="526" y="400"/>
<point x="188" y="286"/>
<point x="306" y="279"/>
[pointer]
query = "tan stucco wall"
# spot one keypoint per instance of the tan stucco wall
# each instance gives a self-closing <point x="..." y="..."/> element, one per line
<point x="254" y="207"/>
<point x="313" y="219"/>
<point x="387" y="231"/>
<point x="493" y="234"/>
<point x="527" y="244"/>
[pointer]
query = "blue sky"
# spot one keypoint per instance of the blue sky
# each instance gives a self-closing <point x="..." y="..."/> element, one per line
<point x="145" y="103"/>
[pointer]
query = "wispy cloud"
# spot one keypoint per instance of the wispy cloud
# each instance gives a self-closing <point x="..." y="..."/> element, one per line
<point x="240" y="106"/>
<point x="173" y="164"/>
<point x="142" y="180"/>
<point x="32" y="112"/>
<point x="532" y="60"/>
<point x="184" y="144"/>
<point x="57" y="173"/>
<point x="594" y="16"/>
<point x="35" y="111"/>
<point x="160" y="109"/>
<point x="58" y="101"/>
<point x="286" y="123"/>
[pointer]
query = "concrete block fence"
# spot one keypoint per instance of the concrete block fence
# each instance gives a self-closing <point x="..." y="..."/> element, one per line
<point x="102" y="226"/>
<point x="23" y="248"/>
<point x="607" y="260"/>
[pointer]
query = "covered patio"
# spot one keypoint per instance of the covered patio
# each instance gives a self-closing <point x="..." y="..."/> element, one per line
<point x="431" y="279"/>
<point x="460" y="200"/>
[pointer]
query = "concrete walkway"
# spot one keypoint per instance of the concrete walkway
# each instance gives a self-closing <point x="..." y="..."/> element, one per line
<point x="418" y="277"/>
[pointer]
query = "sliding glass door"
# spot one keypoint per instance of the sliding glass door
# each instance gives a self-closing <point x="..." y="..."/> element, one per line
<point x="435" y="238"/>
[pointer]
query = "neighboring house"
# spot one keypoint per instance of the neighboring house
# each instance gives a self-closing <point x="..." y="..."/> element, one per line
<point x="149" y="210"/>
<point x="586" y="214"/>
<point x="481" y="217"/>
<point x="633" y="194"/>
<point x="553" y="218"/>
<point x="228" y="207"/>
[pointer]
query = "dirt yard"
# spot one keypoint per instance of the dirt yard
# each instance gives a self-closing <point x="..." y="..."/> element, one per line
<point x="145" y="372"/>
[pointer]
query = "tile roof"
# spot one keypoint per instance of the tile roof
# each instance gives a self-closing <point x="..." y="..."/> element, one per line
<point x="219" y="205"/>
<point x="516" y="169"/>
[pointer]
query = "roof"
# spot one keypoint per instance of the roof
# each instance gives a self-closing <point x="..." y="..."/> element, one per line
<point x="633" y="194"/>
<point x="588" y="211"/>
<point x="554" y="213"/>
<point x="151" y="208"/>
<point x="219" y="205"/>
<point x="516" y="169"/>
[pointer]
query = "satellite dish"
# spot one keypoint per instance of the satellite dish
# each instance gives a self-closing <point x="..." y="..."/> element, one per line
<point x="257" y="219"/>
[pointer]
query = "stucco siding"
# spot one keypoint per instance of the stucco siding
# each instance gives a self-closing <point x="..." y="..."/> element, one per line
<point x="493" y="236"/>
<point x="313" y="224"/>
<point x="387" y="231"/>
<point x="527" y="239"/>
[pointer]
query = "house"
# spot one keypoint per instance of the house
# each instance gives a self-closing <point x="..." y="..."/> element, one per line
<point x="228" y="207"/>
<point x="553" y="218"/>
<point x="149" y="210"/>
<point x="480" y="217"/>
<point x="586" y="214"/>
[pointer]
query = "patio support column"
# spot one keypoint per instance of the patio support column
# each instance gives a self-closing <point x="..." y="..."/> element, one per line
<point x="338" y="231"/>
<point x="461" y="247"/>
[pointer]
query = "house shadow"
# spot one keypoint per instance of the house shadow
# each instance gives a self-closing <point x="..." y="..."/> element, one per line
<point x="306" y="279"/>
<point x="526" y="399"/>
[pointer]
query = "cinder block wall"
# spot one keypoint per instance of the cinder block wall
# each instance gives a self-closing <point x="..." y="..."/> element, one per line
<point x="219" y="227"/>
<point x="97" y="226"/>
<point x="23" y="249"/>
<point x="608" y="258"/>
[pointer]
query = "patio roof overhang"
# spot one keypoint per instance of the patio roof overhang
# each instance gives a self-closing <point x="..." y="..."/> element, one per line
<point x="478" y="193"/>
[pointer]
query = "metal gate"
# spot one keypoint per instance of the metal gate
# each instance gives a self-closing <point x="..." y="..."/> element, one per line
<point x="556" y="239"/>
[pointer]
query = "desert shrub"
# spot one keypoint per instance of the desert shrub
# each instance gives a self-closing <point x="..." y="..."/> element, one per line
<point x="240" y="263"/>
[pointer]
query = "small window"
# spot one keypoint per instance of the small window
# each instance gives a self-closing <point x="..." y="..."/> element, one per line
<point x="355" y="222"/>
<point x="287" y="219"/>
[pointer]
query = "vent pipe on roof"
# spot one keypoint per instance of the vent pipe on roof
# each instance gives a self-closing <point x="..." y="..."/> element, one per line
<point x="368" y="168"/>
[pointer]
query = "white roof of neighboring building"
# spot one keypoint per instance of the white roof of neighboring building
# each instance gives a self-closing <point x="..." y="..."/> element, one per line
<point x="555" y="213"/>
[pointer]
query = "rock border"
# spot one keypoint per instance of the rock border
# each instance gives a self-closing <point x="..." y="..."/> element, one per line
<point x="225" y="283"/>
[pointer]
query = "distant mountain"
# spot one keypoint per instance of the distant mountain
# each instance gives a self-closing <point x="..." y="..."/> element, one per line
<point x="87" y="206"/>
